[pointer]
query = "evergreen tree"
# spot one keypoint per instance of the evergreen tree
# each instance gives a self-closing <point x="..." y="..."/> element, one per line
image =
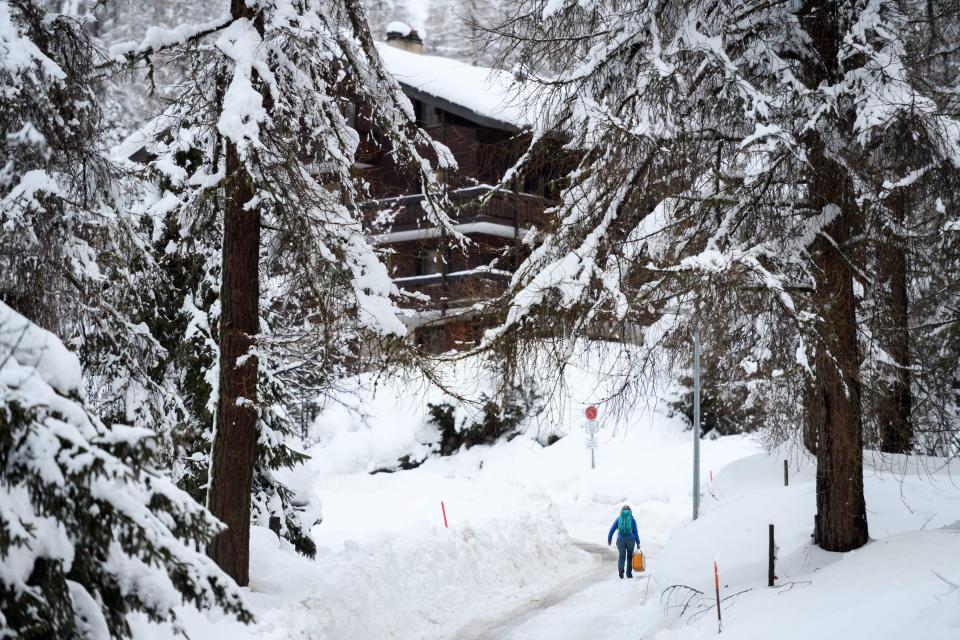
<point x="733" y="178"/>
<point x="89" y="529"/>
<point x="256" y="143"/>
<point x="89" y="532"/>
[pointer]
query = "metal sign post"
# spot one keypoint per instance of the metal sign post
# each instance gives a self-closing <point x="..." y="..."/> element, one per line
<point x="592" y="427"/>
<point x="696" y="423"/>
<point x="592" y="445"/>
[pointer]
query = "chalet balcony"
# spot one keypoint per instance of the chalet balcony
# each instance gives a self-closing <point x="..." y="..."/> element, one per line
<point x="505" y="214"/>
<point x="454" y="290"/>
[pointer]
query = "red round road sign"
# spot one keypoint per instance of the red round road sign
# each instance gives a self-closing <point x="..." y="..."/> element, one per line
<point x="591" y="412"/>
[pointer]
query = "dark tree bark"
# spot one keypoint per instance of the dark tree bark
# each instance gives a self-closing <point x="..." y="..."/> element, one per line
<point x="834" y="405"/>
<point x="894" y="399"/>
<point x="812" y="417"/>
<point x="836" y="412"/>
<point x="235" y="438"/>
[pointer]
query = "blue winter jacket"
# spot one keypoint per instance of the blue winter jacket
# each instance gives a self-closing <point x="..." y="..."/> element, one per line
<point x="633" y="521"/>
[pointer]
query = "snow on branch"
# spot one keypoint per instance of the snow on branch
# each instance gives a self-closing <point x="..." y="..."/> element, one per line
<point x="159" y="38"/>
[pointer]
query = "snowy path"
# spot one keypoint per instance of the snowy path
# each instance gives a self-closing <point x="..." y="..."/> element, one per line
<point x="596" y="604"/>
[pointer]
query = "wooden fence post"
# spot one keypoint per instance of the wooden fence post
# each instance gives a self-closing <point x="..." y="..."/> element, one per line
<point x="786" y="474"/>
<point x="771" y="558"/>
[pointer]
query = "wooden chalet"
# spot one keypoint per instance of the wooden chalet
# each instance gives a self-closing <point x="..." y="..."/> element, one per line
<point x="475" y="112"/>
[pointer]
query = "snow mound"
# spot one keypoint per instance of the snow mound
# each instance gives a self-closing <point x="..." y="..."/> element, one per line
<point x="905" y="586"/>
<point x="910" y="571"/>
<point x="737" y="536"/>
<point x="427" y="583"/>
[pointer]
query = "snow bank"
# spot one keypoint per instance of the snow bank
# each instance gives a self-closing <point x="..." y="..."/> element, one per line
<point x="888" y="589"/>
<point x="905" y="586"/>
<point x="425" y="584"/>
<point x="737" y="536"/>
<point x="903" y="494"/>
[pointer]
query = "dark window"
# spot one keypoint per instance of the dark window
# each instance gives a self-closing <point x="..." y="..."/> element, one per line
<point x="428" y="262"/>
<point x="432" y="339"/>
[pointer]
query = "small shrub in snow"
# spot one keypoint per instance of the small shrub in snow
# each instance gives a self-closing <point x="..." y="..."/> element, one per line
<point x="495" y="420"/>
<point x="457" y="427"/>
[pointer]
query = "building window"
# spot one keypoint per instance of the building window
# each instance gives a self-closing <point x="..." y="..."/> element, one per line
<point x="432" y="339"/>
<point x="428" y="262"/>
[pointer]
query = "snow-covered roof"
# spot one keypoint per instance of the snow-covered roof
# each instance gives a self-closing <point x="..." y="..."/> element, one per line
<point x="481" y="94"/>
<point x="489" y="97"/>
<point x="401" y="28"/>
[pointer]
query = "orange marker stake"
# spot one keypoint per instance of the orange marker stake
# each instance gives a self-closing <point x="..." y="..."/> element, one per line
<point x="716" y="584"/>
<point x="444" y="509"/>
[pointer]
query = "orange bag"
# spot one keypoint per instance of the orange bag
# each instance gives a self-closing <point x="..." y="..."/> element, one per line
<point x="638" y="564"/>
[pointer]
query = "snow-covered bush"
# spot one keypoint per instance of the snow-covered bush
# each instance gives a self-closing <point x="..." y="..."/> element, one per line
<point x="454" y="426"/>
<point x="89" y="531"/>
<point x="493" y="422"/>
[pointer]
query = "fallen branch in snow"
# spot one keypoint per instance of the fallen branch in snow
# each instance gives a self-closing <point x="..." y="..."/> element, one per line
<point x="953" y="584"/>
<point x="646" y="591"/>
<point x="713" y="494"/>
<point x="709" y="603"/>
<point x="787" y="586"/>
<point x="679" y="596"/>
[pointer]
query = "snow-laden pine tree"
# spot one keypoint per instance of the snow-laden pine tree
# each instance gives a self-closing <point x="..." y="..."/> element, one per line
<point x="89" y="530"/>
<point x="179" y="307"/>
<point x="735" y="175"/>
<point x="51" y="173"/>
<point x="909" y="280"/>
<point x="67" y="253"/>
<point x="257" y="143"/>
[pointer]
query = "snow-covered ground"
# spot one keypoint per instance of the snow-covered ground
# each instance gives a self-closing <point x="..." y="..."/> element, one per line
<point x="904" y="584"/>
<point x="525" y="557"/>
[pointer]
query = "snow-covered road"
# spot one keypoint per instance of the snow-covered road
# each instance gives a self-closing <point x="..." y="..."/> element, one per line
<point x="594" y="604"/>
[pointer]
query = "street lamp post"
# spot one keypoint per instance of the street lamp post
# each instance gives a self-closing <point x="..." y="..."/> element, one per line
<point x="696" y="423"/>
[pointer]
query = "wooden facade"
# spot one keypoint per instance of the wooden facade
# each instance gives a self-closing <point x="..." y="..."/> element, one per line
<point x="425" y="261"/>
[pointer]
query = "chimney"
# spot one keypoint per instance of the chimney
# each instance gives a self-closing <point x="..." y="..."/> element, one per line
<point x="403" y="36"/>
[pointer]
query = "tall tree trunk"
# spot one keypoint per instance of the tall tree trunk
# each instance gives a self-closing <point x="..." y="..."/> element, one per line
<point x="812" y="416"/>
<point x="835" y="412"/>
<point x="834" y="408"/>
<point x="895" y="402"/>
<point x="235" y="438"/>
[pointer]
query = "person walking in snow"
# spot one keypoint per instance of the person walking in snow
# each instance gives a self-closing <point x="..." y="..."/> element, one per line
<point x="628" y="539"/>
